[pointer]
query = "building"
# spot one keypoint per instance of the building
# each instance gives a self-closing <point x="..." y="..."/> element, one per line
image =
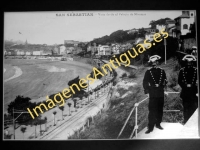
<point x="56" y="50"/>
<point x="20" y="52"/>
<point x="47" y="52"/>
<point x="151" y="31"/>
<point x="76" y="50"/>
<point x="92" y="49"/>
<point x="69" y="50"/>
<point x="115" y="48"/>
<point x="170" y="27"/>
<point x="184" y="22"/>
<point x="10" y="52"/>
<point x="69" y="43"/>
<point x="37" y="52"/>
<point x="28" y="53"/>
<point x="104" y="50"/>
<point x="62" y="50"/>
<point x="132" y="31"/>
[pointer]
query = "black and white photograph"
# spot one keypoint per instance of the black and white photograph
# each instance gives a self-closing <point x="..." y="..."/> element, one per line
<point x="100" y="75"/>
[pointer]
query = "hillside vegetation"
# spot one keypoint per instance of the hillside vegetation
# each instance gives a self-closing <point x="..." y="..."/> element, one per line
<point x="108" y="124"/>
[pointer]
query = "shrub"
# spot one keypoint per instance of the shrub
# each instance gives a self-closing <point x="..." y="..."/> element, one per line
<point x="132" y="74"/>
<point x="173" y="80"/>
<point x="124" y="75"/>
<point x="122" y="91"/>
<point x="89" y="61"/>
<point x="173" y="102"/>
<point x="177" y="66"/>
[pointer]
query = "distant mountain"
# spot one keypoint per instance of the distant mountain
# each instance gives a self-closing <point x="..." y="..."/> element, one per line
<point x="122" y="36"/>
<point x="9" y="43"/>
<point x="119" y="36"/>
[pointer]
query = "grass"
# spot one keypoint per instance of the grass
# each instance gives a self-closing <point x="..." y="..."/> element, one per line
<point x="173" y="102"/>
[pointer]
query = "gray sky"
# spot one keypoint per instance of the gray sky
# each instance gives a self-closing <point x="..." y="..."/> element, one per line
<point x="47" y="28"/>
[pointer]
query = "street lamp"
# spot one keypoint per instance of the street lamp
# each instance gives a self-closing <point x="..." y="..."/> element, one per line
<point x="20" y="113"/>
<point x="88" y="93"/>
<point x="165" y="43"/>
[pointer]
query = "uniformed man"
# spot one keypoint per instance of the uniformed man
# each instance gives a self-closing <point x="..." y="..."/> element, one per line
<point x="154" y="83"/>
<point x="187" y="79"/>
<point x="194" y="50"/>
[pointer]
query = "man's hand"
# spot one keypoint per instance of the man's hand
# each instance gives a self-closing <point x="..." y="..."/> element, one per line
<point x="188" y="85"/>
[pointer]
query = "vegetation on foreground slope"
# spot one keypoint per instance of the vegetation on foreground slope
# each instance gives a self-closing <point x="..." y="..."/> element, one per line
<point x="108" y="124"/>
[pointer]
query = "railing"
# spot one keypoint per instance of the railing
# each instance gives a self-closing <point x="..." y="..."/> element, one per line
<point x="136" y="116"/>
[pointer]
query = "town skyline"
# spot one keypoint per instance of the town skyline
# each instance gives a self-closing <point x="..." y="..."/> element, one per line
<point x="54" y="27"/>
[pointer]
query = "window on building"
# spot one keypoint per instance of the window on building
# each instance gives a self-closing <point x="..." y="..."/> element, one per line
<point x="185" y="26"/>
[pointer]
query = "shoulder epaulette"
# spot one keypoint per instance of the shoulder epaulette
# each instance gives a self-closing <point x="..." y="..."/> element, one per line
<point x="149" y="68"/>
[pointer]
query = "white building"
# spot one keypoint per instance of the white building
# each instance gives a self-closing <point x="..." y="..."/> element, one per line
<point x="20" y="52"/>
<point x="62" y="50"/>
<point x="132" y="31"/>
<point x="104" y="50"/>
<point x="27" y="53"/>
<point x="36" y="53"/>
<point x="151" y="32"/>
<point x="115" y="48"/>
<point x="183" y="22"/>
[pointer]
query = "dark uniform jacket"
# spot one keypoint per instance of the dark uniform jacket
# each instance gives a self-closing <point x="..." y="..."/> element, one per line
<point x="154" y="82"/>
<point x="188" y="76"/>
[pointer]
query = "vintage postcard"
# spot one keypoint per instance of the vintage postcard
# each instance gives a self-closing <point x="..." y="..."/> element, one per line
<point x="84" y="75"/>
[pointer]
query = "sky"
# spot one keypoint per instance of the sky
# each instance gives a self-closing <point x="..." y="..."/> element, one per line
<point x="53" y="27"/>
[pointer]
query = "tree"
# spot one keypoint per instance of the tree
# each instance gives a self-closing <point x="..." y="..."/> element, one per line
<point x="75" y="102"/>
<point x="69" y="104"/>
<point x="152" y="23"/>
<point x="77" y="92"/>
<point x="54" y="117"/>
<point x="35" y="129"/>
<point x="91" y="92"/>
<point x="23" y="130"/>
<point x="45" y="118"/>
<point x="62" y="109"/>
<point x="21" y="103"/>
<point x="81" y="99"/>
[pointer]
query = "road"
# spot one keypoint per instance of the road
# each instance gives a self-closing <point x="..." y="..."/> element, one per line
<point x="76" y="121"/>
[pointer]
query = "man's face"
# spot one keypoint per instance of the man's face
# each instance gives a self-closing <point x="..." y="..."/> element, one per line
<point x="189" y="63"/>
<point x="155" y="63"/>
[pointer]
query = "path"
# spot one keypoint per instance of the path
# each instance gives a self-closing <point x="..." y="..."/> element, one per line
<point x="174" y="130"/>
<point x="18" y="72"/>
<point x="76" y="121"/>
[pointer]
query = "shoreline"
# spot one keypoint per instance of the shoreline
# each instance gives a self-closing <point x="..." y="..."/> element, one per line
<point x="18" y="72"/>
